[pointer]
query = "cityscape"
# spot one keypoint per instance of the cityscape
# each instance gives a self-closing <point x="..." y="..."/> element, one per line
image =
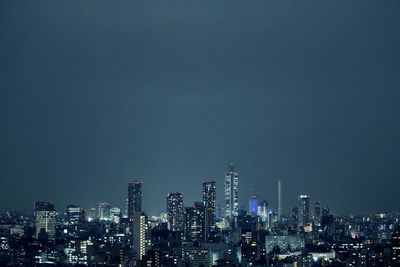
<point x="200" y="133"/>
<point x="205" y="233"/>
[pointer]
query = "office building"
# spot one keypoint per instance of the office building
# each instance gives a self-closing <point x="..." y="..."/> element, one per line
<point x="253" y="206"/>
<point x="317" y="213"/>
<point x="195" y="222"/>
<point x="210" y="207"/>
<point x="45" y="218"/>
<point x="103" y="211"/>
<point x="262" y="210"/>
<point x="134" y="197"/>
<point x="141" y="233"/>
<point x="74" y="214"/>
<point x="175" y="212"/>
<point x="115" y="215"/>
<point x="304" y="210"/>
<point x="231" y="193"/>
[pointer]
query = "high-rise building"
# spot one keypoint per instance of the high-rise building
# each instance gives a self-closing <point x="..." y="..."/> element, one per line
<point x="295" y="215"/>
<point x="115" y="214"/>
<point x="210" y="207"/>
<point x="197" y="256"/>
<point x="325" y="212"/>
<point x="90" y="214"/>
<point x="304" y="210"/>
<point x="141" y="233"/>
<point x="45" y="218"/>
<point x="231" y="193"/>
<point x="253" y="205"/>
<point x="75" y="214"/>
<point x="317" y="213"/>
<point x="195" y="222"/>
<point x="175" y="212"/>
<point x="103" y="211"/>
<point x="134" y="197"/>
<point x="279" y="201"/>
<point x="262" y="210"/>
<point x="395" y="247"/>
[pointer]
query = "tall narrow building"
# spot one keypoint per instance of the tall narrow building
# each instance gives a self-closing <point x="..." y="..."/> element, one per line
<point x="175" y="212"/>
<point x="231" y="193"/>
<point x="253" y="206"/>
<point x="195" y="222"/>
<point x="134" y="198"/>
<point x="210" y="207"/>
<point x="45" y="218"/>
<point x="141" y="234"/>
<point x="304" y="210"/>
<point x="317" y="213"/>
<point x="279" y="201"/>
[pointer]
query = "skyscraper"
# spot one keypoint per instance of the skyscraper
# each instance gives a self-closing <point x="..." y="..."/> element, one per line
<point x="304" y="210"/>
<point x="253" y="206"/>
<point x="103" y="211"/>
<point x="134" y="197"/>
<point x="115" y="214"/>
<point x="317" y="213"/>
<point x="279" y="201"/>
<point x="75" y="214"/>
<point x="175" y="212"/>
<point x="231" y="193"/>
<point x="262" y="210"/>
<point x="195" y="222"/>
<point x="141" y="233"/>
<point x="45" y="218"/>
<point x="209" y="206"/>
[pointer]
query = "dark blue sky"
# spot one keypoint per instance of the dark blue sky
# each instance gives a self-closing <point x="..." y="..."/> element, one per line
<point x="94" y="93"/>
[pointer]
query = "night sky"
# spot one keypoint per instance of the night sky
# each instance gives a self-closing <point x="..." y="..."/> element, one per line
<point x="96" y="93"/>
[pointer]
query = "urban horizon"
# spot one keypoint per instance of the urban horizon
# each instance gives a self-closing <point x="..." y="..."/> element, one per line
<point x="200" y="133"/>
<point x="242" y="204"/>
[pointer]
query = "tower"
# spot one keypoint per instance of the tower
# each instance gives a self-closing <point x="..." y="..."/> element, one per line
<point x="279" y="201"/>
<point x="45" y="218"/>
<point x="231" y="193"/>
<point x="195" y="222"/>
<point x="175" y="212"/>
<point x="134" y="197"/>
<point x="141" y="233"/>
<point x="253" y="206"/>
<point x="317" y="213"/>
<point x="209" y="206"/>
<point x="304" y="210"/>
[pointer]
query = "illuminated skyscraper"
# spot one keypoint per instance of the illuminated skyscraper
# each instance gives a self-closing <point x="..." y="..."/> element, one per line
<point x="175" y="212"/>
<point x="195" y="222"/>
<point x="45" y="218"/>
<point x="253" y="205"/>
<point x="209" y="206"/>
<point x="279" y="201"/>
<point x="141" y="233"/>
<point x="231" y="193"/>
<point x="304" y="210"/>
<point x="262" y="210"/>
<point x="317" y="213"/>
<point x="75" y="214"/>
<point x="115" y="214"/>
<point x="134" y="197"/>
<point x="103" y="211"/>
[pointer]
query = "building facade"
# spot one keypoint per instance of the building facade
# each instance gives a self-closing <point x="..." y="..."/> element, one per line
<point x="210" y="207"/>
<point x="231" y="193"/>
<point x="175" y="212"/>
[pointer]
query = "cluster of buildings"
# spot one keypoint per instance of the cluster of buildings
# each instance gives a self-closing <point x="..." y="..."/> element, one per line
<point x="202" y="234"/>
